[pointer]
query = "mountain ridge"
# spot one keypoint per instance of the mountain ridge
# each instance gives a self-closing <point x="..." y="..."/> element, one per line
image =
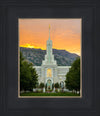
<point x="63" y="57"/>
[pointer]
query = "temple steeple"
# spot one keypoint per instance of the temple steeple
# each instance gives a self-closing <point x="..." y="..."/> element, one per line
<point x="49" y="57"/>
<point x="49" y="31"/>
<point x="49" y="45"/>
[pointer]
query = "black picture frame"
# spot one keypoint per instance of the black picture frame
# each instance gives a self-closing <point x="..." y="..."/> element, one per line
<point x="10" y="104"/>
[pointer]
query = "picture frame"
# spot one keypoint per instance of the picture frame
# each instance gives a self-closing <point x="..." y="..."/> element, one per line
<point x="10" y="104"/>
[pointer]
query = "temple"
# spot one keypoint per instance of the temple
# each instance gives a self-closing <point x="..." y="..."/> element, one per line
<point x="49" y="72"/>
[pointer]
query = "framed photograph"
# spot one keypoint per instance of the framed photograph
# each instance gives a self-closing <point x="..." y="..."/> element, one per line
<point x="50" y="67"/>
<point x="49" y="58"/>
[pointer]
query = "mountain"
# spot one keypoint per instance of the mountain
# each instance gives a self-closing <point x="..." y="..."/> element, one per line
<point x="63" y="57"/>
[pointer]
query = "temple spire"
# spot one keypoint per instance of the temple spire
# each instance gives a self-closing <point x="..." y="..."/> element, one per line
<point x="49" y="31"/>
<point x="49" y="57"/>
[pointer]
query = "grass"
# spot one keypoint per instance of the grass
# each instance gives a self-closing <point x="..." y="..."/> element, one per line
<point x="48" y="94"/>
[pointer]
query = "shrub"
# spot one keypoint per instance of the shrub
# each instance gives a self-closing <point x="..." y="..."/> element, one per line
<point x="57" y="85"/>
<point x="41" y="85"/>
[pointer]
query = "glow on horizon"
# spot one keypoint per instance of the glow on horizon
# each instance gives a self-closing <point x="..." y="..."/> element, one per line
<point x="65" y="34"/>
<point x="30" y="46"/>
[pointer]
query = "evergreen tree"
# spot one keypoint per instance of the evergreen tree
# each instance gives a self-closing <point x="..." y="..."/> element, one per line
<point x="73" y="76"/>
<point x="28" y="76"/>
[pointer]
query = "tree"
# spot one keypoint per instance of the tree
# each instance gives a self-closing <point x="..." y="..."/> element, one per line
<point x="73" y="76"/>
<point x="57" y="85"/>
<point x="28" y="76"/>
<point x="41" y="85"/>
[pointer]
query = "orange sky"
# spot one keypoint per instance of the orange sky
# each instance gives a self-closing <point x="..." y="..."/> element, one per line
<point x="65" y="33"/>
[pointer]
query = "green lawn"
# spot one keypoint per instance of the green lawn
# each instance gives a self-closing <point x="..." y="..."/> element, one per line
<point x="48" y="94"/>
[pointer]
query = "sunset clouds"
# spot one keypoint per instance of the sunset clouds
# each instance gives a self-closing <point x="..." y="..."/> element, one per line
<point x="65" y="33"/>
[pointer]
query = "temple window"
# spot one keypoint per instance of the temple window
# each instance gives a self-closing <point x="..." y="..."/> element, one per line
<point x="49" y="72"/>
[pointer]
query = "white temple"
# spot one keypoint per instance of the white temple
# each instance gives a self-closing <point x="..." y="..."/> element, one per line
<point x="49" y="73"/>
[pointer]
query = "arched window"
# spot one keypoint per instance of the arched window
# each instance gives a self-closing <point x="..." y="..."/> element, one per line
<point x="49" y="72"/>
